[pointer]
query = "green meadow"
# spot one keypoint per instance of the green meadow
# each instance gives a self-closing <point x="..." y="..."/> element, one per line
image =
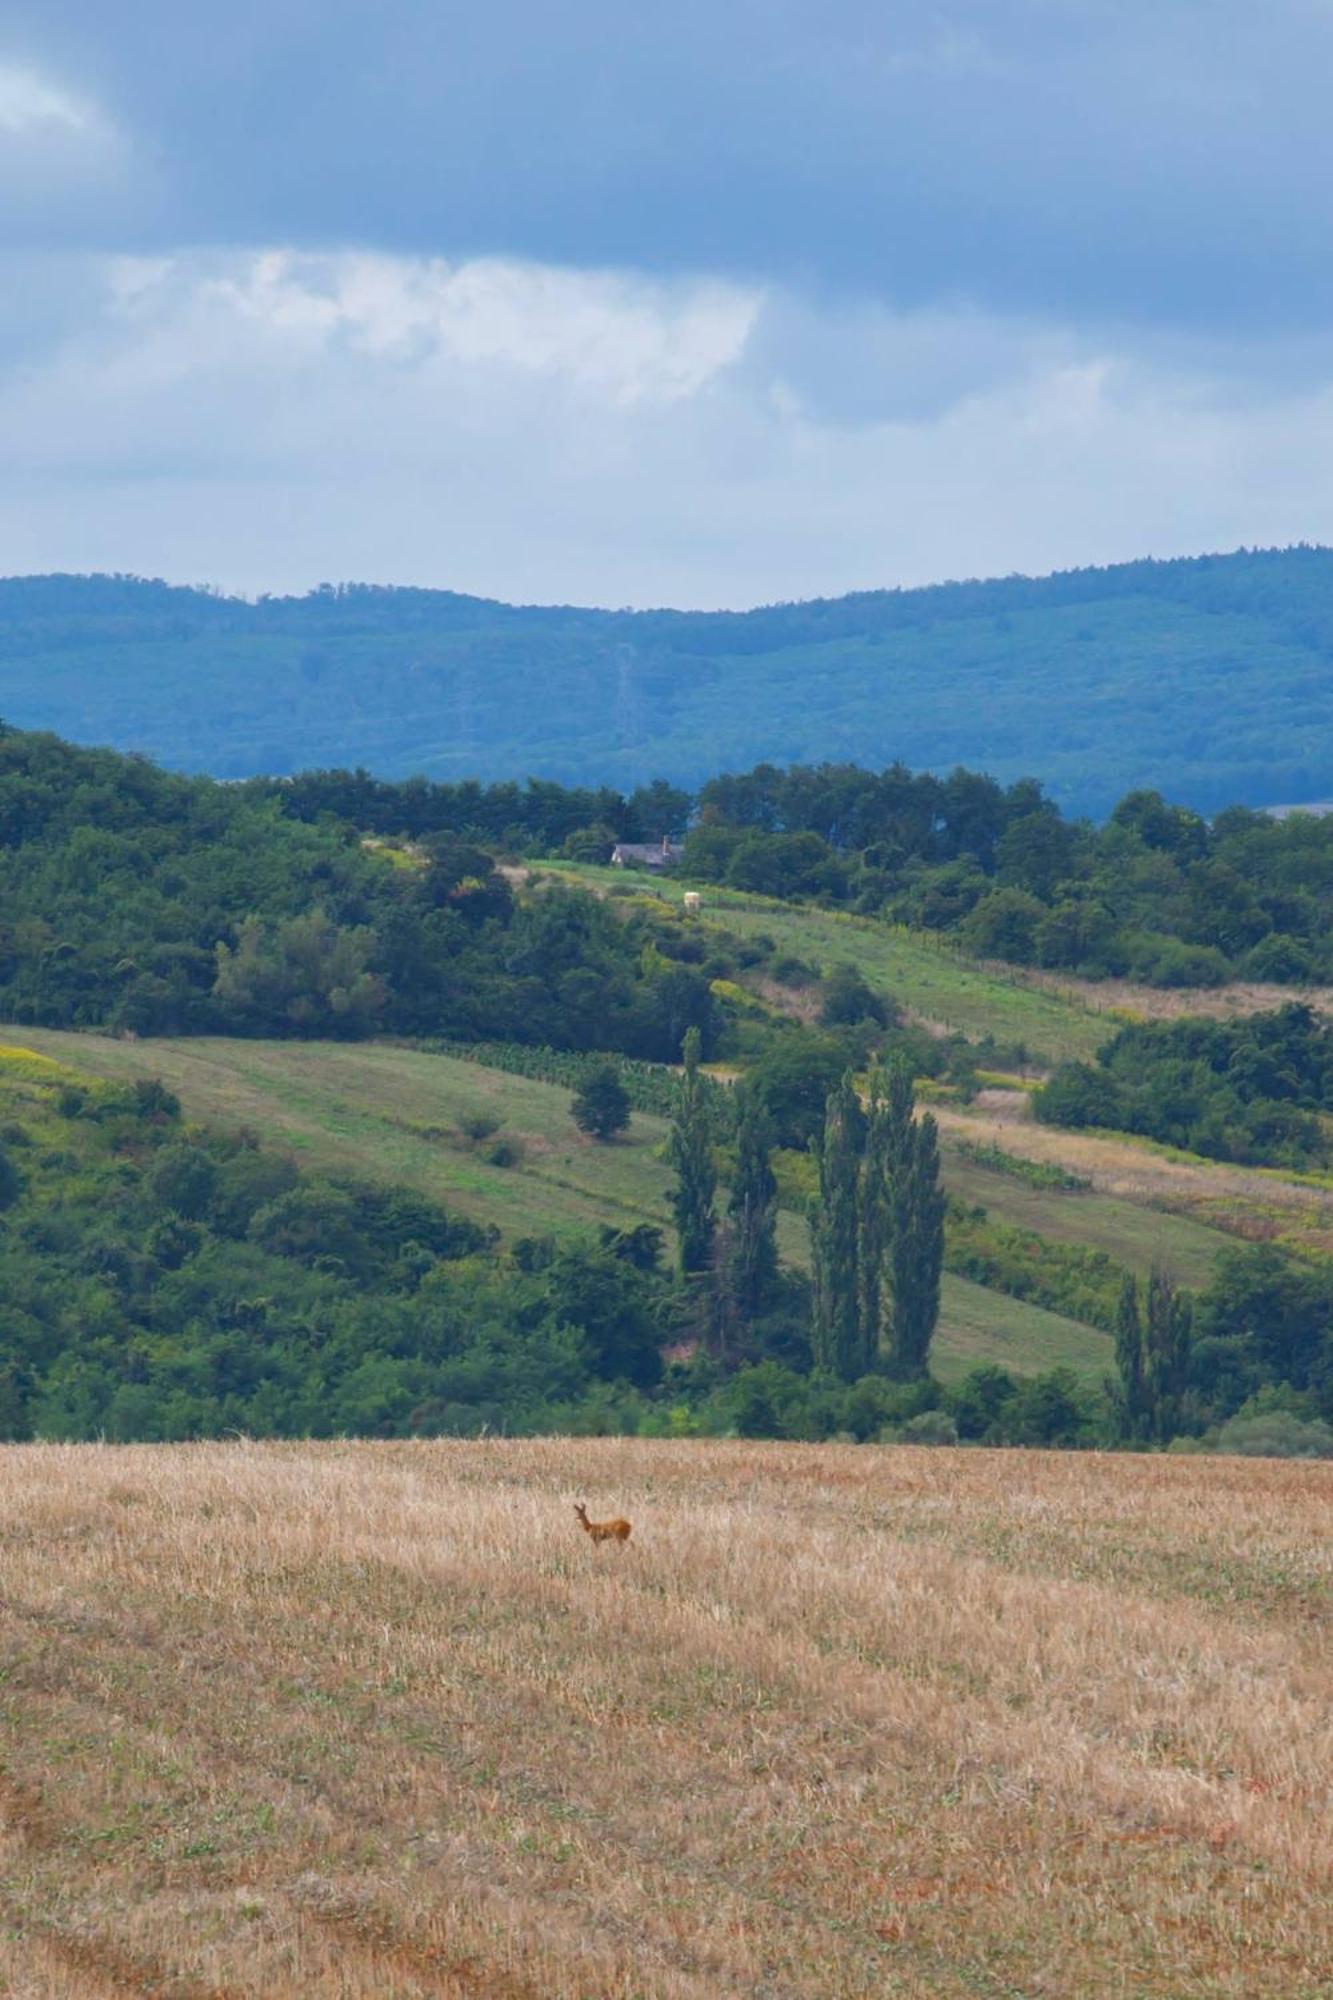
<point x="932" y="980"/>
<point x="381" y="1112"/>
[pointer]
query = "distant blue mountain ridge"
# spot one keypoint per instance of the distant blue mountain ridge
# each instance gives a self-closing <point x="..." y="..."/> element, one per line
<point x="1209" y="678"/>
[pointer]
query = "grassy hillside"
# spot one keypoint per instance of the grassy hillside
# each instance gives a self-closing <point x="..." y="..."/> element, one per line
<point x="1206" y="678"/>
<point x="374" y="1720"/>
<point x="933" y="980"/>
<point x="393" y="1114"/>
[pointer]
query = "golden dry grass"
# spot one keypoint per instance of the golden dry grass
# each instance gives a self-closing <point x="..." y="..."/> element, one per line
<point x="1260" y="1204"/>
<point x="1133" y="1000"/>
<point x="370" y="1719"/>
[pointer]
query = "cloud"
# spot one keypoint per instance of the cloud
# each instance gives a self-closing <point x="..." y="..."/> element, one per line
<point x="626" y="338"/>
<point x="272" y="418"/>
<point x="1066" y="160"/>
<point x="28" y="103"/>
<point x="65" y="168"/>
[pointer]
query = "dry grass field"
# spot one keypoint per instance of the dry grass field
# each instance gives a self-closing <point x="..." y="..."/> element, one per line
<point x="378" y="1720"/>
<point x="1133" y="1000"/>
<point x="1260" y="1204"/>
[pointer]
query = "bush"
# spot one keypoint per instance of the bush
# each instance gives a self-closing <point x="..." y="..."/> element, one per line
<point x="1279" y="958"/>
<point x="1276" y="1434"/>
<point x="183" y="1179"/>
<point x="930" y="1427"/>
<point x="478" y="1126"/>
<point x="601" y="1104"/>
<point x="789" y="970"/>
<point x="848" y="999"/>
<point x="1004" y="924"/>
<point x="1165" y="961"/>
<point x="152" y="1100"/>
<point x="978" y="1402"/>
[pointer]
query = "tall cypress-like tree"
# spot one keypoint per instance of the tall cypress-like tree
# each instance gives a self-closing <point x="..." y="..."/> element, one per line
<point x="875" y="1213"/>
<point x="916" y="1249"/>
<point x="1133" y="1396"/>
<point x="691" y="1154"/>
<point x="1166" y="1357"/>
<point x="836" y="1336"/>
<point x="877" y="1231"/>
<point x="752" y="1210"/>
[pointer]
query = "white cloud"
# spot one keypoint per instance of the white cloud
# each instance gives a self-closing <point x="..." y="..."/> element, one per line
<point x="269" y="419"/>
<point x="67" y="172"/>
<point x="29" y="103"/>
<point x="626" y="338"/>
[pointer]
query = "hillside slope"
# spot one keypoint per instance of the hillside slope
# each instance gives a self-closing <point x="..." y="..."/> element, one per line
<point x="393" y="1115"/>
<point x="1208" y="677"/>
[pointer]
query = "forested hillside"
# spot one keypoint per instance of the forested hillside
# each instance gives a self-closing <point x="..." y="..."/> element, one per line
<point x="1209" y="679"/>
<point x="307" y="1238"/>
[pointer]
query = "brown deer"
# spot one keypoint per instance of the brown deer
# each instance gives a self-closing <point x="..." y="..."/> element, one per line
<point x="602" y="1531"/>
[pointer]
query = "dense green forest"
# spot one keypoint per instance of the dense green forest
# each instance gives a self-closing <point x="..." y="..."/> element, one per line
<point x="1205" y="678"/>
<point x="1257" y="1089"/>
<point x="1157" y="893"/>
<point x="140" y="901"/>
<point x="160" y="1279"/>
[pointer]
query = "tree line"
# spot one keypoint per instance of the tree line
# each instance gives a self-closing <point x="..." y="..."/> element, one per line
<point x="1156" y="893"/>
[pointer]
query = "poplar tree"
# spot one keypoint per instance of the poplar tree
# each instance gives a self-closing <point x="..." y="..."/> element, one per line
<point x="916" y="1247"/>
<point x="691" y="1154"/>
<point x="1166" y="1355"/>
<point x="877" y="1231"/>
<point x="875" y="1218"/>
<point x="752" y="1211"/>
<point x="836" y="1337"/>
<point x="1133" y="1387"/>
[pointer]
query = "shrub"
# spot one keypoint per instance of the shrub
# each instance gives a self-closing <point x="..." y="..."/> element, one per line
<point x="789" y="970"/>
<point x="1279" y="958"/>
<point x="183" y="1179"/>
<point x="476" y="1127"/>
<point x="978" y="1402"/>
<point x="929" y="1427"/>
<point x="1004" y="925"/>
<point x="152" y="1100"/>
<point x="601" y="1104"/>
<point x="1276" y="1434"/>
<point x="848" y="999"/>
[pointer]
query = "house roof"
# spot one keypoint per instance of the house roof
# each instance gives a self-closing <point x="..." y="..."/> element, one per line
<point x="649" y="851"/>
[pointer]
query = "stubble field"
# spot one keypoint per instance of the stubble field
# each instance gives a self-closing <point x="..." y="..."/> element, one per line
<point x="366" y="1719"/>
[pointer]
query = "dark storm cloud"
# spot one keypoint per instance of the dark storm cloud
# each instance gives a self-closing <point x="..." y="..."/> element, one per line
<point x="692" y="303"/>
<point x="1143" y="160"/>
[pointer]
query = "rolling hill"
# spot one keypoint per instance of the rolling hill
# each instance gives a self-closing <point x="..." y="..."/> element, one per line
<point x="1209" y="678"/>
<point x="393" y="1115"/>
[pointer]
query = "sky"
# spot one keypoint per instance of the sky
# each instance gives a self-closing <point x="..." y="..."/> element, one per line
<point x="700" y="304"/>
